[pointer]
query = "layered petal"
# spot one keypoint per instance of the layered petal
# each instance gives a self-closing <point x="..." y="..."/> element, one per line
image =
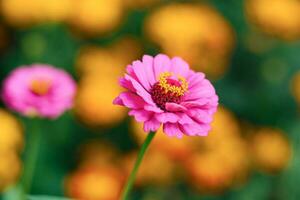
<point x="189" y="113"/>
<point x="162" y="63"/>
<point x="172" y="130"/>
<point x="130" y="100"/>
<point x="140" y="115"/>
<point x="179" y="67"/>
<point x="151" y="125"/>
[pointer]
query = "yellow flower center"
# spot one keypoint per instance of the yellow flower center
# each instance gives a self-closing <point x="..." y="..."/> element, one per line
<point x="176" y="87"/>
<point x="40" y="87"/>
<point x="168" y="89"/>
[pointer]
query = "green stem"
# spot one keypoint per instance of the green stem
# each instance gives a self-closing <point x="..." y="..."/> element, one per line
<point x="137" y="164"/>
<point x="33" y="144"/>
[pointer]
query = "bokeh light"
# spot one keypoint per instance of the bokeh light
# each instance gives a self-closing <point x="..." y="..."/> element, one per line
<point x="248" y="49"/>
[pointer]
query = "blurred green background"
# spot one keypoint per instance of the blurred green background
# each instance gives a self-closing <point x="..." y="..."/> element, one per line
<point x="248" y="48"/>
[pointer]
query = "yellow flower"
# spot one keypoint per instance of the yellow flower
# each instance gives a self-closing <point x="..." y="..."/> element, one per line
<point x="280" y="18"/>
<point x="154" y="160"/>
<point x="25" y="13"/>
<point x="10" y="168"/>
<point x="196" y="32"/>
<point x="109" y="61"/>
<point x="11" y="137"/>
<point x="96" y="16"/>
<point x="100" y="69"/>
<point x="271" y="150"/>
<point x="219" y="160"/>
<point x="55" y="10"/>
<point x="93" y="103"/>
<point x="92" y="182"/>
<point x="208" y="173"/>
<point x="20" y="13"/>
<point x="135" y="4"/>
<point x="214" y="169"/>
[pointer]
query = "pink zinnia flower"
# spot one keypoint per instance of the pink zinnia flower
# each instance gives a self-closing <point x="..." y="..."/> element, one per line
<point x="164" y="91"/>
<point x="39" y="90"/>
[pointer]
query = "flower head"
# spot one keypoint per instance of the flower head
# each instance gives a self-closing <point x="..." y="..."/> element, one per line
<point x="95" y="182"/>
<point x="280" y="20"/>
<point x="39" y="90"/>
<point x="270" y="150"/>
<point x="11" y="137"/>
<point x="207" y="47"/>
<point x="165" y="91"/>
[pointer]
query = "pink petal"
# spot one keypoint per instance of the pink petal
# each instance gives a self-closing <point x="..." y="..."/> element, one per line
<point x="166" y="117"/>
<point x="140" y="115"/>
<point x="200" y="92"/>
<point x="185" y="119"/>
<point x="195" y="129"/>
<point x="140" y="72"/>
<point x="130" y="71"/>
<point x="172" y="130"/>
<point x="140" y="90"/>
<point x="118" y="101"/>
<point x="130" y="100"/>
<point x="148" y="65"/>
<point x="151" y="125"/>
<point x="126" y="84"/>
<point x="174" y="107"/>
<point x="197" y="103"/>
<point x="200" y="116"/>
<point x="179" y="66"/>
<point x="153" y="108"/>
<point x="195" y="78"/>
<point x="162" y="64"/>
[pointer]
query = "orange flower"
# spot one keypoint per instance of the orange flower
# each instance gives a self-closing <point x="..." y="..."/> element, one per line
<point x="153" y="162"/>
<point x="93" y="102"/>
<point x="196" y="32"/>
<point x="219" y="160"/>
<point x="11" y="137"/>
<point x="93" y="182"/>
<point x="94" y="17"/>
<point x="280" y="18"/>
<point x="10" y="169"/>
<point x="99" y="69"/>
<point x="271" y="150"/>
<point x="25" y="13"/>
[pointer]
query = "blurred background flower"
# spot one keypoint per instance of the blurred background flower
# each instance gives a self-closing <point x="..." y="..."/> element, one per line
<point x="249" y="49"/>
<point x="95" y="182"/>
<point x="279" y="18"/>
<point x="96" y="16"/>
<point x="99" y="69"/>
<point x="270" y="150"/>
<point x="22" y="14"/>
<point x="11" y="145"/>
<point x="197" y="32"/>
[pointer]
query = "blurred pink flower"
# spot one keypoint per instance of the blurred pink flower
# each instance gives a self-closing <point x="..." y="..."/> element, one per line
<point x="39" y="90"/>
<point x="166" y="91"/>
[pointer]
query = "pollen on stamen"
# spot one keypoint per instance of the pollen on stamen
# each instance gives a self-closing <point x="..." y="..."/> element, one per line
<point x="168" y="89"/>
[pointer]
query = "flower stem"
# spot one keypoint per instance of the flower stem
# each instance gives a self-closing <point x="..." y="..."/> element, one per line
<point x="33" y="144"/>
<point x="137" y="164"/>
